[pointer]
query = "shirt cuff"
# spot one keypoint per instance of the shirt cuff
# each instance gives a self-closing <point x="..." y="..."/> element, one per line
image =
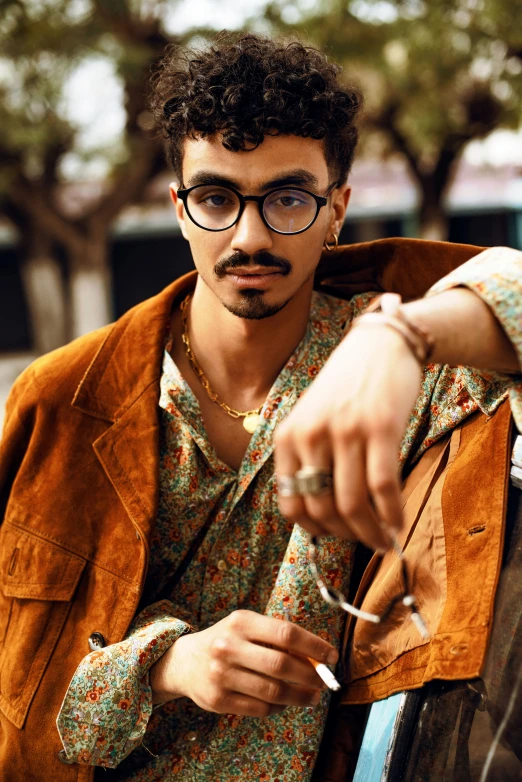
<point x="108" y="704"/>
<point x="496" y="276"/>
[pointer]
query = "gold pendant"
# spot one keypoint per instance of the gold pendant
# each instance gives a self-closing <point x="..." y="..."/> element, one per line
<point x="251" y="422"/>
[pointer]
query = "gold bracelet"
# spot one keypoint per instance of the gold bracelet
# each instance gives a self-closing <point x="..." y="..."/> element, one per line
<point x="418" y="340"/>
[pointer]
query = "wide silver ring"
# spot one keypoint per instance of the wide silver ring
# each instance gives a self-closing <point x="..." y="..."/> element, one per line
<point x="313" y="481"/>
<point x="287" y="486"/>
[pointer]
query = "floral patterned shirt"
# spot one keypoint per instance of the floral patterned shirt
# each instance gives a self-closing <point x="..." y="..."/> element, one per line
<point x="249" y="556"/>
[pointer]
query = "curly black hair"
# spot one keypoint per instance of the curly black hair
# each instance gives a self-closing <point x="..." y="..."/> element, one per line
<point x="244" y="87"/>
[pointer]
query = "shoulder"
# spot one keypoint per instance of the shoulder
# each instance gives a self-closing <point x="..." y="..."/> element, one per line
<point x="55" y="376"/>
<point x="52" y="381"/>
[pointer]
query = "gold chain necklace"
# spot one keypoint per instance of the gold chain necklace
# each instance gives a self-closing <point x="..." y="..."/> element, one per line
<point x="251" y="418"/>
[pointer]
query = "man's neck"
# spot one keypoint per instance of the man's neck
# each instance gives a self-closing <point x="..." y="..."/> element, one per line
<point x="241" y="357"/>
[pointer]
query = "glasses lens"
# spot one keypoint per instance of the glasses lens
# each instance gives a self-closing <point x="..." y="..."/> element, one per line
<point x="213" y="207"/>
<point x="289" y="211"/>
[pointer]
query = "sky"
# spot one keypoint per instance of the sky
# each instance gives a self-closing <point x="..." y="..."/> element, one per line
<point x="100" y="116"/>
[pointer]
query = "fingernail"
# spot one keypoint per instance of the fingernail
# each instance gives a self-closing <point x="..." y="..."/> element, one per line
<point x="332" y="657"/>
<point x="314" y="700"/>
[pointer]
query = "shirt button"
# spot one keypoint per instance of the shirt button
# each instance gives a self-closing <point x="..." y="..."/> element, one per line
<point x="191" y="735"/>
<point x="222" y="565"/>
<point x="62" y="757"/>
<point x="96" y="642"/>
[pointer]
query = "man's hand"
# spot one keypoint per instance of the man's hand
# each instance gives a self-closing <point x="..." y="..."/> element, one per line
<point x="352" y="420"/>
<point x="228" y="669"/>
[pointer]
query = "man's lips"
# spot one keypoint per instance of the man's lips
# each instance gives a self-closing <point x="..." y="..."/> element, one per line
<point x="247" y="271"/>
<point x="252" y="277"/>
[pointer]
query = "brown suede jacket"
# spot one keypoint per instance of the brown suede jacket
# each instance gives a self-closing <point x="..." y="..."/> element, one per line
<point x="78" y="495"/>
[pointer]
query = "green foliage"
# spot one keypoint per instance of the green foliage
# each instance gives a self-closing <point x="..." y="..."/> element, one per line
<point x="435" y="73"/>
<point x="36" y="59"/>
<point x="42" y="43"/>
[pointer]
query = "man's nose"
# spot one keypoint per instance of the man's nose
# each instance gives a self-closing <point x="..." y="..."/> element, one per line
<point x="251" y="235"/>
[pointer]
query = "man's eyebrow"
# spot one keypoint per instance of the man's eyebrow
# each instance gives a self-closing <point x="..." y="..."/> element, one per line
<point x="298" y="177"/>
<point x="211" y="177"/>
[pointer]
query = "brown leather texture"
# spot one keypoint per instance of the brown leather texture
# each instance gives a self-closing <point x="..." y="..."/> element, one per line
<point x="406" y="266"/>
<point x="78" y="496"/>
<point x="453" y="546"/>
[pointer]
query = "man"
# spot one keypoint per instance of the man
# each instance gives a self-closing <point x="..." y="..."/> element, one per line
<point x="117" y="500"/>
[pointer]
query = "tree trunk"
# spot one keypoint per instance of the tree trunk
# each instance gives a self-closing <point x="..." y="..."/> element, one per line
<point x="433" y="221"/>
<point x="41" y="275"/>
<point x="90" y="285"/>
<point x="45" y="296"/>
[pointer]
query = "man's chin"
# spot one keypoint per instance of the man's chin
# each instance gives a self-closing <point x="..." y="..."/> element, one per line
<point x="251" y="304"/>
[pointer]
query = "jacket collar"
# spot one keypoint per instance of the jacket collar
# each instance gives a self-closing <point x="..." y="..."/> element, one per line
<point x="130" y="358"/>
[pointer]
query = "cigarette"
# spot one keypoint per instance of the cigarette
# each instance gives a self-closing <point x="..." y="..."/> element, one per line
<point x="325" y="674"/>
<point x="322" y="671"/>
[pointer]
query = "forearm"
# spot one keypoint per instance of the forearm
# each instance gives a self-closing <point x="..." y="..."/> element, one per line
<point x="465" y="331"/>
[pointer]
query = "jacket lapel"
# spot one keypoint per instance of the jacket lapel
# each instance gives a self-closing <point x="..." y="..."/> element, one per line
<point x="129" y="454"/>
<point x="122" y="387"/>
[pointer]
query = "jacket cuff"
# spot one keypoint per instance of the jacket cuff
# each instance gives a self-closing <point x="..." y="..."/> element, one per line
<point x="108" y="703"/>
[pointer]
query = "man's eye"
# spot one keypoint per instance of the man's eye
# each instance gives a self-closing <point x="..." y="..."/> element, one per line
<point x="215" y="200"/>
<point x="288" y="201"/>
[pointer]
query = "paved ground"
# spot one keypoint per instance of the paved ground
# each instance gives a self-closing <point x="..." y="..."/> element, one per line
<point x="11" y="364"/>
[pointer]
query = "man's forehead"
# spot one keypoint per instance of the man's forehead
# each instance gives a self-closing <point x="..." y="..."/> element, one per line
<point x="301" y="161"/>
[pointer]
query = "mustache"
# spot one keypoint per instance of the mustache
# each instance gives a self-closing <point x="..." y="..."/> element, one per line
<point x="238" y="259"/>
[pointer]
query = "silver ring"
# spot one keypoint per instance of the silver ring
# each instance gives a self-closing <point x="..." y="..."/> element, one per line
<point x="313" y="481"/>
<point x="287" y="486"/>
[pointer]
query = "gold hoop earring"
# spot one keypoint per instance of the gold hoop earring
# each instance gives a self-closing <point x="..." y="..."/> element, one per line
<point x="330" y="247"/>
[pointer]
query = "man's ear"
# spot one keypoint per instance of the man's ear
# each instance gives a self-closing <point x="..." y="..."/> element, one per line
<point x="179" y="207"/>
<point x="340" y="199"/>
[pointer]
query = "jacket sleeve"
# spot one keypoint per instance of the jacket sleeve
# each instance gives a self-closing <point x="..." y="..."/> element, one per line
<point x="16" y="435"/>
<point x="108" y="704"/>
<point x="496" y="276"/>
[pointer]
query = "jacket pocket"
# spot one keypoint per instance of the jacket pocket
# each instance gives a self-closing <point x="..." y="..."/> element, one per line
<point x="37" y="582"/>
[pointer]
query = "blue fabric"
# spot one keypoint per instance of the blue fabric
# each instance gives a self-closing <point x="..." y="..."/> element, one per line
<point x="377" y="739"/>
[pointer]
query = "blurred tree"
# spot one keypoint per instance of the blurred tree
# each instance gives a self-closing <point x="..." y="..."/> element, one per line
<point x="435" y="74"/>
<point x="42" y="42"/>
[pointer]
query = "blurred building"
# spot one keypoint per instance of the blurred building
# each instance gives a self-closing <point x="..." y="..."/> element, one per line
<point x="148" y="251"/>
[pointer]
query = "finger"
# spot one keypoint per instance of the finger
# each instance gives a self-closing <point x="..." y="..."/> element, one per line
<point x="246" y="706"/>
<point x="352" y="498"/>
<point x="287" y="463"/>
<point x="288" y="636"/>
<point x="269" y="690"/>
<point x="383" y="482"/>
<point x="274" y="663"/>
<point x="320" y="509"/>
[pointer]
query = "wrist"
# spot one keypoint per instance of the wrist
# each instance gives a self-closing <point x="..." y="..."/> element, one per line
<point x="388" y="311"/>
<point x="165" y="676"/>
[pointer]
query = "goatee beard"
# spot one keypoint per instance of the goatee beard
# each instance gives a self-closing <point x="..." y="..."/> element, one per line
<point x="252" y="305"/>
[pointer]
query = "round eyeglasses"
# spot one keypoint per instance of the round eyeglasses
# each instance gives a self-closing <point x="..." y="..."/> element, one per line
<point x="288" y="210"/>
